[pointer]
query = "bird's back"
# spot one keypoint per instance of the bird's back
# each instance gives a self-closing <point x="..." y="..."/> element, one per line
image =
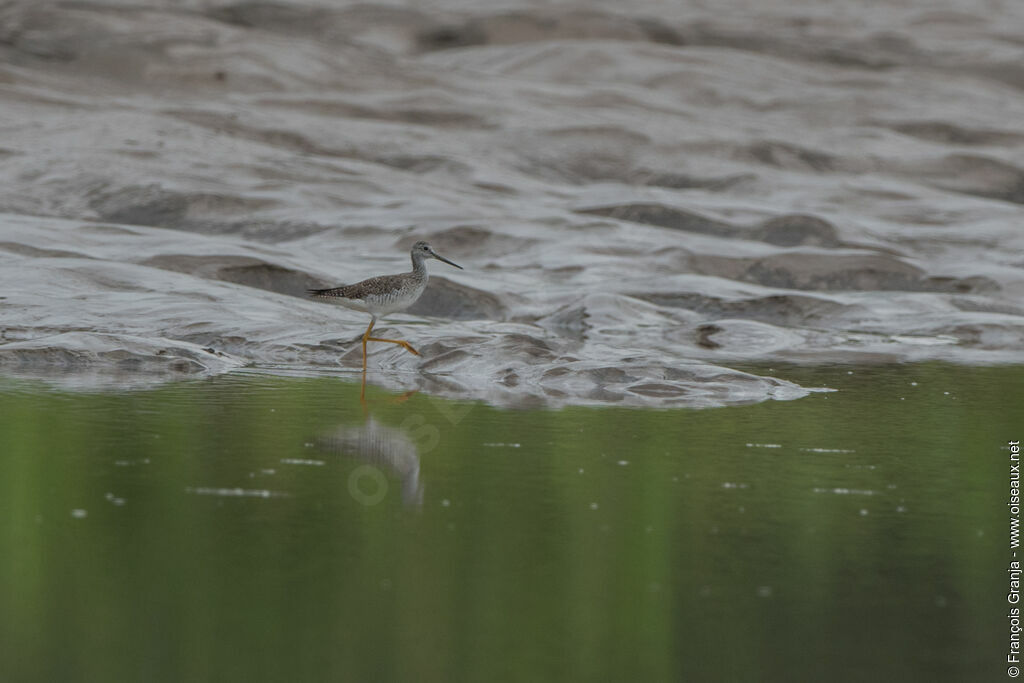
<point x="377" y="295"/>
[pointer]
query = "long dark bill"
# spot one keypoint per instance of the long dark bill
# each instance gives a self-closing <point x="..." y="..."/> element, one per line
<point x="450" y="263"/>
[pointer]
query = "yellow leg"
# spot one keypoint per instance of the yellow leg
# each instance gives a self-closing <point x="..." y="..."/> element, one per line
<point x="403" y="344"/>
<point x="366" y="338"/>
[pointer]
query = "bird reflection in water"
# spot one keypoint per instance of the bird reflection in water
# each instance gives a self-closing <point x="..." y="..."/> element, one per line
<point x="394" y="399"/>
<point x="389" y="448"/>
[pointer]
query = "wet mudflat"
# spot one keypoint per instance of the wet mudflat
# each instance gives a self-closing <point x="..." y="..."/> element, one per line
<point x="257" y="527"/>
<point x="642" y="196"/>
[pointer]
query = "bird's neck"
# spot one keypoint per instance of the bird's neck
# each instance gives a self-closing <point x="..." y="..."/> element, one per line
<point x="419" y="266"/>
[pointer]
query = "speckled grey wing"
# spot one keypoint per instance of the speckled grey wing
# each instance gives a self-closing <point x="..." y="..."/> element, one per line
<point x="330" y="293"/>
<point x="374" y="286"/>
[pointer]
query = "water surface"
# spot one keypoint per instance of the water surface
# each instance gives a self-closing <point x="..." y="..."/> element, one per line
<point x="257" y="527"/>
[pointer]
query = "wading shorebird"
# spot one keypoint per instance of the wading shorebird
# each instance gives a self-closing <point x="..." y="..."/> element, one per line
<point x="386" y="294"/>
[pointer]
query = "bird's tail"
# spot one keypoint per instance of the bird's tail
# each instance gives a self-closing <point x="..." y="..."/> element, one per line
<point x="330" y="292"/>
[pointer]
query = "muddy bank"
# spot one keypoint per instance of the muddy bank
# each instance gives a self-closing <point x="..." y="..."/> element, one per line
<point x="642" y="198"/>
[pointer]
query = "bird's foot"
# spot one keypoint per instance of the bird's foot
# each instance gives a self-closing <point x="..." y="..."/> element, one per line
<point x="404" y="344"/>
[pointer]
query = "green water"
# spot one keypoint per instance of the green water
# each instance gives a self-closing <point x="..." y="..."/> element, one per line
<point x="258" y="528"/>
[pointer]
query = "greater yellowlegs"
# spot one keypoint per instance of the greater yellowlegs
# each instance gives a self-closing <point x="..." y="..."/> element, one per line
<point x="386" y="294"/>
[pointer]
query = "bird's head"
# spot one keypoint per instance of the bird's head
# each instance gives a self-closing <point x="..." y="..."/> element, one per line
<point x="422" y="250"/>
